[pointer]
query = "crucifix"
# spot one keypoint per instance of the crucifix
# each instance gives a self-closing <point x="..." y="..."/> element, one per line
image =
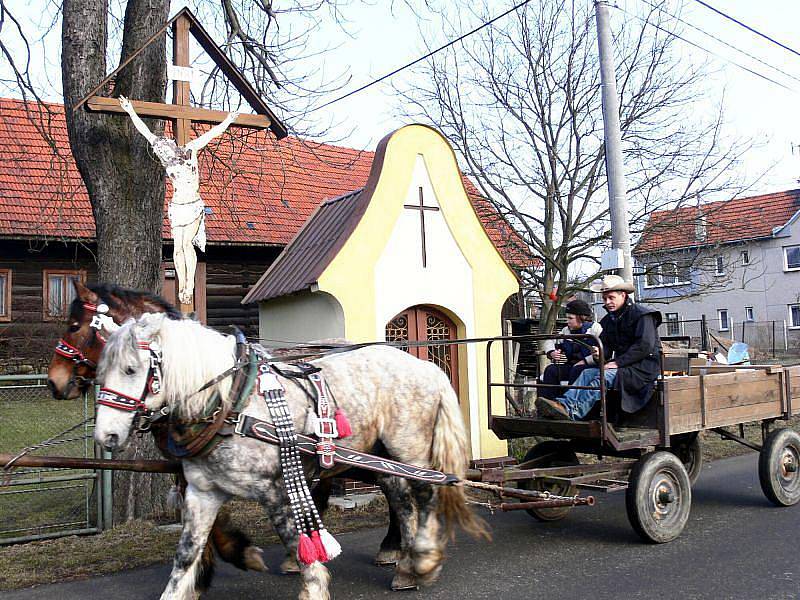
<point x="422" y="208"/>
<point x="183" y="115"/>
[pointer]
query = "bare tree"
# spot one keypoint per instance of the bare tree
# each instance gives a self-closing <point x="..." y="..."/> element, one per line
<point x="520" y="101"/>
<point x="125" y="183"/>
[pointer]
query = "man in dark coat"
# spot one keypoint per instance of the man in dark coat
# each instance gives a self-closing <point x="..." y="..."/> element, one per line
<point x="630" y="339"/>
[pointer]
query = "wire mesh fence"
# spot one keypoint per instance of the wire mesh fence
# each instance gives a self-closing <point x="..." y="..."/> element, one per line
<point x="37" y="503"/>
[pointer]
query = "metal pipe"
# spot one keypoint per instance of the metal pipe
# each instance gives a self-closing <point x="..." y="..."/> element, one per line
<point x="583" y="501"/>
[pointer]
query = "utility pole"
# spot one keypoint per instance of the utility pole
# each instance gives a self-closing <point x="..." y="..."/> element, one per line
<point x="620" y="236"/>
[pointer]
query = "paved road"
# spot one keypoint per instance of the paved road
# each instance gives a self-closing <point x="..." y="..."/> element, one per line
<point x="736" y="545"/>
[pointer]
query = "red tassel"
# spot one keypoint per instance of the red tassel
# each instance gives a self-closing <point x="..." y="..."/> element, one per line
<point x="342" y="424"/>
<point x="306" y="550"/>
<point x="322" y="555"/>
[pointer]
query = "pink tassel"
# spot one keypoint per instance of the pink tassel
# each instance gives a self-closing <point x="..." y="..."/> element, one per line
<point x="332" y="547"/>
<point x="322" y="556"/>
<point x="306" y="551"/>
<point x="342" y="424"/>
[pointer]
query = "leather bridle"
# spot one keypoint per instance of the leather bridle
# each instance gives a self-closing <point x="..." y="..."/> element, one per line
<point x="76" y="354"/>
<point x="117" y="400"/>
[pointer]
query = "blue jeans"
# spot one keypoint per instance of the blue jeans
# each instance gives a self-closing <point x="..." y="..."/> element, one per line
<point x="579" y="402"/>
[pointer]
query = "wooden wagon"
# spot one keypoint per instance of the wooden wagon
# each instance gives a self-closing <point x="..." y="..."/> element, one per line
<point x="655" y="455"/>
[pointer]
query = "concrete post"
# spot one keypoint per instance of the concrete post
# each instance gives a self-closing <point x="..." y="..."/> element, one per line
<point x="620" y="235"/>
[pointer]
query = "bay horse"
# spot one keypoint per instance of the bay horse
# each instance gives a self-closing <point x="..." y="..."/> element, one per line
<point x="394" y="401"/>
<point x="73" y="369"/>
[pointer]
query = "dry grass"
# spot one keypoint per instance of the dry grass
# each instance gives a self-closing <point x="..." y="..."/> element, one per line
<point x="142" y="543"/>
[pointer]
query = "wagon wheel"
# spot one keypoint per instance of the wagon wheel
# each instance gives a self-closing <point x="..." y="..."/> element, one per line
<point x="689" y="449"/>
<point x="779" y="467"/>
<point x="659" y="497"/>
<point x="553" y="454"/>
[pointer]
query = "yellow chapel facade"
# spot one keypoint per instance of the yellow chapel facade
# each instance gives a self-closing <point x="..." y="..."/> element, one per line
<point x="404" y="258"/>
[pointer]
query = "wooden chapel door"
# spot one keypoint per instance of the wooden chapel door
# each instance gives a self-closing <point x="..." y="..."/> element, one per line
<point x="422" y="324"/>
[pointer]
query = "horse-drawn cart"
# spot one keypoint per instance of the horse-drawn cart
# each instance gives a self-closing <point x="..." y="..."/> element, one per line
<point x="654" y="456"/>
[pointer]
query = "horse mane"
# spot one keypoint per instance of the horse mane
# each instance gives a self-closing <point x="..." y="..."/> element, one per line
<point x="182" y="373"/>
<point x="114" y="295"/>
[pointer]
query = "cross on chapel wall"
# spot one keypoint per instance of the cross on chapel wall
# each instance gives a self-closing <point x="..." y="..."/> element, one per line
<point x="421" y="207"/>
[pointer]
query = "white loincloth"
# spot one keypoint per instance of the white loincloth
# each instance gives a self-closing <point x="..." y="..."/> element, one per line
<point x="183" y="215"/>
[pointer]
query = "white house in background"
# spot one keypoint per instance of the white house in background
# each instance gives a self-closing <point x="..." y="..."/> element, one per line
<point x="733" y="261"/>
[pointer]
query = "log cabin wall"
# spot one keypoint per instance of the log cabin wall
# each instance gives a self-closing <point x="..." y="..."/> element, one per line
<point x="28" y="337"/>
<point x="230" y="273"/>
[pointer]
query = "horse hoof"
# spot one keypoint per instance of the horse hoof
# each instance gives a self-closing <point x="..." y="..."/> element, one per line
<point x="404" y="581"/>
<point x="387" y="558"/>
<point x="290" y="566"/>
<point x="253" y="559"/>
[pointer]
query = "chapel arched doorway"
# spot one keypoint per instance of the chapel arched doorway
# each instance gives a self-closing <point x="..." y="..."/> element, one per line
<point x="422" y="324"/>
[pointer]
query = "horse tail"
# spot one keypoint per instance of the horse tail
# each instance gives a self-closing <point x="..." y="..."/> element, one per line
<point x="449" y="454"/>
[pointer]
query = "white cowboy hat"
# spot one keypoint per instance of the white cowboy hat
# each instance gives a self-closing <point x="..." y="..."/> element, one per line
<point x="612" y="283"/>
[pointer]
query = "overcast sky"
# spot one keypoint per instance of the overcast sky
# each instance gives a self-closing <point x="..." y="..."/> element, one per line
<point x="381" y="40"/>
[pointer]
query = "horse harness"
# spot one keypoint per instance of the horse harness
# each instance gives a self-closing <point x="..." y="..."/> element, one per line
<point x="180" y="438"/>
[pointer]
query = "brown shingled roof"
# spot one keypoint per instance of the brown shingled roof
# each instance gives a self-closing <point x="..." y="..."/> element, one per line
<point x="726" y="222"/>
<point x="302" y="262"/>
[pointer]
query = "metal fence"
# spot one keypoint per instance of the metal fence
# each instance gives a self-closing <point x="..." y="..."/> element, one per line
<point x="765" y="339"/>
<point x="37" y="503"/>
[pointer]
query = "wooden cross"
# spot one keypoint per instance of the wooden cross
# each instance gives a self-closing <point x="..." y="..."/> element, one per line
<point x="180" y="112"/>
<point x="421" y="208"/>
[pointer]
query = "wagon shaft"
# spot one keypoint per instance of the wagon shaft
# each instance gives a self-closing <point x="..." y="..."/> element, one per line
<point x="65" y="462"/>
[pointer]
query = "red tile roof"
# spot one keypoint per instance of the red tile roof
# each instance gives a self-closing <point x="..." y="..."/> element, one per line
<point x="726" y="221"/>
<point x="258" y="190"/>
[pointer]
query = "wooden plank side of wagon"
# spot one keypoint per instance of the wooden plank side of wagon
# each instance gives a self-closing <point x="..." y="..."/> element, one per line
<point x="700" y="402"/>
<point x="793" y="373"/>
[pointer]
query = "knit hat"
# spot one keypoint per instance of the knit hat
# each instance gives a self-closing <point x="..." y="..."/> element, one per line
<point x="578" y="307"/>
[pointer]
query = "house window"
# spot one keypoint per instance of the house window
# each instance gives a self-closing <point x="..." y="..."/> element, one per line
<point x="745" y="257"/>
<point x="653" y="276"/>
<point x="669" y="274"/>
<point x="59" y="292"/>
<point x="719" y="265"/>
<point x="673" y="324"/>
<point x="794" y="315"/>
<point x="791" y="256"/>
<point x="749" y="313"/>
<point x="5" y="294"/>
<point x="724" y="323"/>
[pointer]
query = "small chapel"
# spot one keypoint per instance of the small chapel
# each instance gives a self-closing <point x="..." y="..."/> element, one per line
<point x="403" y="258"/>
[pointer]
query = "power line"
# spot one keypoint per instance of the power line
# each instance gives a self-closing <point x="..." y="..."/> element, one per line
<point x="720" y="40"/>
<point x="711" y="52"/>
<point x="756" y="31"/>
<point x="421" y="58"/>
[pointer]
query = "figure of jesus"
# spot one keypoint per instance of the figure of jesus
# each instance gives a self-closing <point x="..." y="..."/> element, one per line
<point x="186" y="208"/>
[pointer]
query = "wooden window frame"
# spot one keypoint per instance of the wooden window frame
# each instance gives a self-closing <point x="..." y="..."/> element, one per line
<point x="6" y="317"/>
<point x="46" y="274"/>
